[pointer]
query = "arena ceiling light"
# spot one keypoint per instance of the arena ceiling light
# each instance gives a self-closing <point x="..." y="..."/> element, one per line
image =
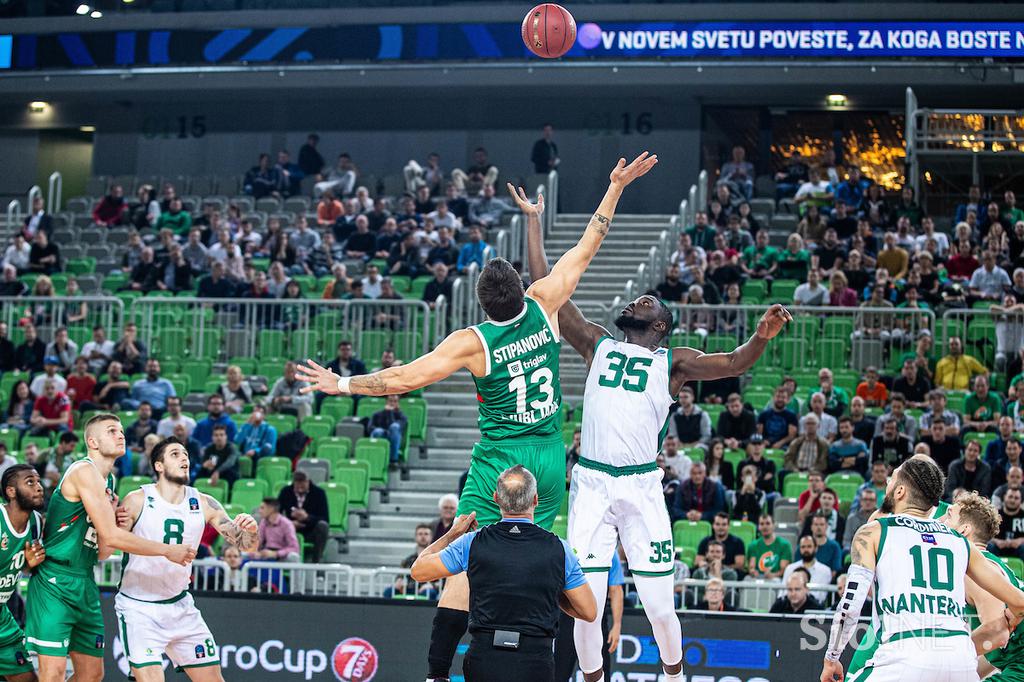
<point x="836" y="101"/>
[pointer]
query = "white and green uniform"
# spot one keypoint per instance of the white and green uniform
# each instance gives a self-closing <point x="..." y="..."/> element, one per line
<point x="920" y="601"/>
<point x="155" y="612"/>
<point x="616" y="490"/>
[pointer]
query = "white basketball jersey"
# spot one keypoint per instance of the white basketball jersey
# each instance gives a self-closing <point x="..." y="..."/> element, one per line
<point x="919" y="579"/>
<point x="626" y="404"/>
<point x="154" y="578"/>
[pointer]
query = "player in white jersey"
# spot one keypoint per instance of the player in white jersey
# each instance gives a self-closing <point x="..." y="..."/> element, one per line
<point x="616" y="492"/>
<point x="155" y="611"/>
<point x="918" y="567"/>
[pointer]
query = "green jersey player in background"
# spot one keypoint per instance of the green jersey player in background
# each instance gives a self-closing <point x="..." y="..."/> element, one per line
<point x="20" y="550"/>
<point x="513" y="358"/>
<point x="63" y="604"/>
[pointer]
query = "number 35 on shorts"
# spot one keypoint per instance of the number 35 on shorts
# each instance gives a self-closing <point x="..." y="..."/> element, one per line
<point x="662" y="552"/>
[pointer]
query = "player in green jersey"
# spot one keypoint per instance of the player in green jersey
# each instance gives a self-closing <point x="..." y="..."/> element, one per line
<point x="63" y="603"/>
<point x="20" y="550"/>
<point x="513" y="358"/>
<point x="998" y="647"/>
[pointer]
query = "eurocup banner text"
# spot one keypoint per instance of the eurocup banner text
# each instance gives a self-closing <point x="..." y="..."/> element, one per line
<point x="474" y="42"/>
<point x="293" y="639"/>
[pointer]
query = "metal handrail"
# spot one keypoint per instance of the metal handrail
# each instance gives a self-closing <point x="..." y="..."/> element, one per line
<point x="54" y="193"/>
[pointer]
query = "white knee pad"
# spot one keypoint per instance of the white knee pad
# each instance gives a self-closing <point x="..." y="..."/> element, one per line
<point x="658" y="598"/>
<point x="588" y="637"/>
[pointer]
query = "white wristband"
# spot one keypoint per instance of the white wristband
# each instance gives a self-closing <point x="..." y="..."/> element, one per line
<point x="343" y="383"/>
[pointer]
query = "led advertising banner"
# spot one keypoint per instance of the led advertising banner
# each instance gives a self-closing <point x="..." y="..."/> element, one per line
<point x="290" y="639"/>
<point x="473" y="42"/>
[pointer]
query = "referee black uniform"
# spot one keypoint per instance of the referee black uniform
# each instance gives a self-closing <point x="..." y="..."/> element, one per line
<point x="517" y="572"/>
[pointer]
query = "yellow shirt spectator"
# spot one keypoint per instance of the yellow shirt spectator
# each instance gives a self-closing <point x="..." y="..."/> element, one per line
<point x="954" y="372"/>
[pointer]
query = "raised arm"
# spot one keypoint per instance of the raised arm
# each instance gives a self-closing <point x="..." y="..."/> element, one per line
<point x="90" y="488"/>
<point x="554" y="290"/>
<point x="581" y="333"/>
<point x="689" y="364"/>
<point x="460" y="350"/>
<point x="863" y="555"/>
<point x="242" y="531"/>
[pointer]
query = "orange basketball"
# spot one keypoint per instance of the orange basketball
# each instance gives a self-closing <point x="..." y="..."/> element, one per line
<point x="549" y="30"/>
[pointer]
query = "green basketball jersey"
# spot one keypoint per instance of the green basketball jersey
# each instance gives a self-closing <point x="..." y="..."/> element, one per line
<point x="69" y="535"/>
<point x="520" y="394"/>
<point x="12" y="550"/>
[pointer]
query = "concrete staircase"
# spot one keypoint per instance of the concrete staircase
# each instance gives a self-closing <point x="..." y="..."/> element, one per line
<point x="452" y="407"/>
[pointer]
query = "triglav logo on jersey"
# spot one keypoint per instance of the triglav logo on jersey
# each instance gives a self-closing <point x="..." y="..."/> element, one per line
<point x="354" y="660"/>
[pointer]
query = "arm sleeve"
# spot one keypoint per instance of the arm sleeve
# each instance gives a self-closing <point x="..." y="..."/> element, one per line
<point x="859" y="580"/>
<point x="573" y="573"/>
<point x="455" y="556"/>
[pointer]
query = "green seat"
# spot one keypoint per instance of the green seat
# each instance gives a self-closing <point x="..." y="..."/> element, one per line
<point x="218" y="492"/>
<point x="356" y="475"/>
<point x="744" y="530"/>
<point x="337" y="505"/>
<point x="284" y="423"/>
<point x="275" y="471"/>
<point x="130" y="483"/>
<point x="337" y="407"/>
<point x="795" y="484"/>
<point x="374" y="451"/>
<point x="689" y="533"/>
<point x="249" y="493"/>
<point x="271" y="343"/>
<point x="333" y="449"/>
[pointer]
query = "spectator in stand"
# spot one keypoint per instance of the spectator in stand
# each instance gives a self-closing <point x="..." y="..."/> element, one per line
<point x="995" y="451"/>
<point x="110" y="210"/>
<point x="115" y="392"/>
<point x="220" y="457"/>
<point x="286" y="396"/>
<point x="1014" y="479"/>
<point x="739" y="172"/>
<point x="733" y="547"/>
<point x="153" y="389"/>
<point x="476" y="250"/>
<point x="82" y="386"/>
<point x="769" y="555"/>
<point x="446" y="507"/>
<point x="440" y="285"/>
<point x="487" y="210"/>
<point x="165" y="428"/>
<point x="969" y="472"/>
<point x="51" y="412"/>
<point x="44" y="256"/>
<point x="797" y="600"/>
<point x="942" y="447"/>
<point x="698" y="498"/>
<point x="792" y="177"/>
<point x="390" y="423"/>
<point x="1010" y="541"/>
<point x="960" y="268"/>
<point x="777" y="423"/>
<point x="257" y="439"/>
<point x="215" y="416"/>
<point x="761" y="260"/>
<point x="29" y="355"/>
<point x="545" y="152"/>
<point x="176" y="219"/>
<point x="736" y="424"/>
<point x="808" y="451"/>
<point x="955" y="371"/>
<point x="305" y="505"/>
<point x="848" y="453"/>
<point x="263" y="179"/>
<point x="871" y="390"/>
<point x="982" y="407"/>
<point x="868" y="502"/>
<point x="278" y="540"/>
<point x="912" y="385"/>
<point x="689" y="423"/>
<point x="51" y="366"/>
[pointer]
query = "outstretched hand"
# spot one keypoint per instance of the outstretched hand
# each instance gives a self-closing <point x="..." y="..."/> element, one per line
<point x="523" y="202"/>
<point x="772" y="322"/>
<point x="622" y="174"/>
<point x="319" y="378"/>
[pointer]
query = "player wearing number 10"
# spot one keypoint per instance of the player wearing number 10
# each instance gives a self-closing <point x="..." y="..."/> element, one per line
<point x="513" y="358"/>
<point x="616" y="492"/>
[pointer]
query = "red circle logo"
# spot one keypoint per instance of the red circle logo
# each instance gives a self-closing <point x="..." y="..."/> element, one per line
<point x="354" y="660"/>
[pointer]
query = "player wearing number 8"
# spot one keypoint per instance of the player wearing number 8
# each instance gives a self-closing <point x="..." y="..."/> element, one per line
<point x="513" y="358"/>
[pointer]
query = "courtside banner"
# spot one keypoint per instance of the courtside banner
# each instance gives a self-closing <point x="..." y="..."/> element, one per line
<point x="288" y="639"/>
<point x="472" y="42"/>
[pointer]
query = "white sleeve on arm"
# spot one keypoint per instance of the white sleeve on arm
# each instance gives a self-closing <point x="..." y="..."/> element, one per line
<point x="858" y="582"/>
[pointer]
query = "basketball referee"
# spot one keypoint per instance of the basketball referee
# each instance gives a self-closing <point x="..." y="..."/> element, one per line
<point x="519" y="576"/>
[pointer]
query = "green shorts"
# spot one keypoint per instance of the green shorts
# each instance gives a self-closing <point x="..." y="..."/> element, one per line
<point x="14" y="659"/>
<point x="544" y="457"/>
<point x="63" y="613"/>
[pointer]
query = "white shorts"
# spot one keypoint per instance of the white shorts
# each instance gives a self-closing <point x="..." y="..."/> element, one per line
<point x="605" y="509"/>
<point x="149" y="630"/>
<point x="921" y="659"/>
